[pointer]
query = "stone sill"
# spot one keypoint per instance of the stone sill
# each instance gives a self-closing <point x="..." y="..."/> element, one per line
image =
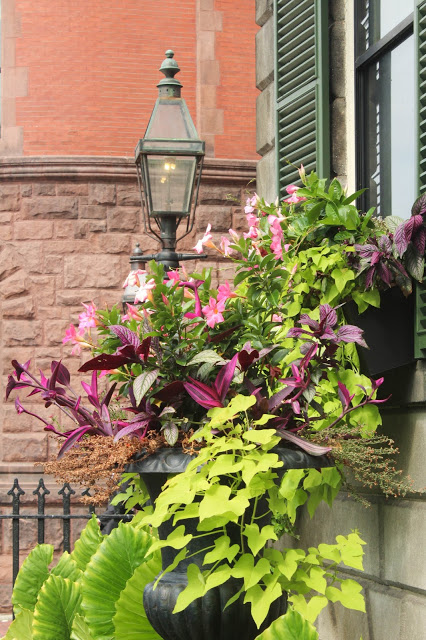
<point x="100" y="167"/>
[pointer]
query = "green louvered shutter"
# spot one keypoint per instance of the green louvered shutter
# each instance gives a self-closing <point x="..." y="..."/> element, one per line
<point x="302" y="93"/>
<point x="420" y="34"/>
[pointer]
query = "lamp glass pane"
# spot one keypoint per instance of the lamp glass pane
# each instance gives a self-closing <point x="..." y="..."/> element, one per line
<point x="171" y="181"/>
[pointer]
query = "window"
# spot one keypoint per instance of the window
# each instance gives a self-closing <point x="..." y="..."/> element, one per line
<point x="385" y="45"/>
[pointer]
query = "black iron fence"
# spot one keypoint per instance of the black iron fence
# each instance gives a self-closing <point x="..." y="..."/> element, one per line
<point x="64" y="505"/>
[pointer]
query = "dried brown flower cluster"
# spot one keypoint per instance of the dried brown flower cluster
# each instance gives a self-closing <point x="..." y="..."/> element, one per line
<point x="98" y="462"/>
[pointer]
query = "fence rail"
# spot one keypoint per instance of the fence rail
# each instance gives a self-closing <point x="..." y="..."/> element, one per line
<point x="66" y="492"/>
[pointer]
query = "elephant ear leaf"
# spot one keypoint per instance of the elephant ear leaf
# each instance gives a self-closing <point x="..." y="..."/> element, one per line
<point x="291" y="626"/>
<point x="88" y="543"/>
<point x="80" y="630"/>
<point x="21" y="627"/>
<point x="131" y="621"/>
<point x="58" y="602"/>
<point x="67" y="568"/>
<point x="107" y="573"/>
<point x="31" y="576"/>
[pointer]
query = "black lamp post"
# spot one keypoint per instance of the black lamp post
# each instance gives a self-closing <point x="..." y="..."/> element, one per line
<point x="169" y="161"/>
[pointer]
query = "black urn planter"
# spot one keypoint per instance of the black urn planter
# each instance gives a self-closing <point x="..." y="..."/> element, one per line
<point x="205" y="618"/>
<point x="388" y="332"/>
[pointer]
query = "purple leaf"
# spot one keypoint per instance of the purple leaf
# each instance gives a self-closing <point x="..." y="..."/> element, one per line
<point x="275" y="400"/>
<point x="419" y="207"/>
<point x="171" y="390"/>
<point x="369" y="277"/>
<point x="419" y="241"/>
<point x="309" y="447"/>
<point x="73" y="439"/>
<point x="295" y="332"/>
<point x="125" y="335"/>
<point x="351" y="333"/>
<point x="305" y="319"/>
<point x="20" y="368"/>
<point x="328" y="315"/>
<point x="105" y="361"/>
<point x="108" y="395"/>
<point x="384" y="273"/>
<point x="415" y="263"/>
<point x="385" y="244"/>
<point x="131" y="428"/>
<point x="63" y="375"/>
<point x="344" y="396"/>
<point x="246" y="359"/>
<point x="365" y="250"/>
<point x="143" y="349"/>
<point x="224" y="377"/>
<point x="206" y="396"/>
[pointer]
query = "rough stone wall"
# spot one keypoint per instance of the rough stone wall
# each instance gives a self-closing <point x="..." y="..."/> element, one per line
<point x="67" y="228"/>
<point x="394" y="578"/>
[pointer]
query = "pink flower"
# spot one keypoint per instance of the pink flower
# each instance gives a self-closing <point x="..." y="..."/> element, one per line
<point x="135" y="278"/>
<point x="144" y="292"/>
<point x="205" y="240"/>
<point x="302" y="172"/>
<point x="252" y="220"/>
<point x="132" y="313"/>
<point x="252" y="233"/>
<point x="75" y="337"/>
<point x="251" y="203"/>
<point x="224" y="292"/>
<point x="276" y="247"/>
<point x="234" y="235"/>
<point x="224" y="246"/>
<point x="293" y="199"/>
<point x="87" y="319"/>
<point x="213" y="311"/>
<point x="276" y="318"/>
<point x="174" y="276"/>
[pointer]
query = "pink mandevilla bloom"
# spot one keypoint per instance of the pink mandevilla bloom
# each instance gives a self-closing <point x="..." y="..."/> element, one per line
<point x="205" y="240"/>
<point x="224" y="246"/>
<point x="224" y="292"/>
<point x="234" y="235"/>
<point x="213" y="311"/>
<point x="252" y="220"/>
<point x="292" y="191"/>
<point x="251" y="204"/>
<point x="87" y="319"/>
<point x="144" y="291"/>
<point x="277" y="318"/>
<point x="252" y="233"/>
<point x="132" y="313"/>
<point x="174" y="276"/>
<point x="135" y="278"/>
<point x="75" y="337"/>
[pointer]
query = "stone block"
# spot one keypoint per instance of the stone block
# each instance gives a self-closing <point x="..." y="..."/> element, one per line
<point x="5" y="233"/>
<point x="117" y="243"/>
<point x="266" y="179"/>
<point x="80" y="229"/>
<point x="71" y="298"/>
<point x="212" y="121"/>
<point x="338" y="140"/>
<point x="337" y="9"/>
<point x="99" y="212"/>
<point x="123" y="218"/>
<point x="54" y="330"/>
<point x="210" y="21"/>
<point x="22" y="307"/>
<point x="265" y="54"/>
<point x="10" y="197"/>
<point x="337" y="60"/>
<point x="218" y="194"/>
<point x="265" y="120"/>
<point x="15" y="284"/>
<point x="27" y="533"/>
<point x="264" y="10"/>
<point x="25" y="448"/>
<point x="87" y="271"/>
<point x="219" y="216"/>
<point x="96" y="226"/>
<point x="22" y="333"/>
<point x="72" y="189"/>
<point x="128" y="195"/>
<point x="51" y="207"/>
<point x="408" y="430"/>
<point x="33" y="230"/>
<point x="209" y="72"/>
<point x="44" y="189"/>
<point x="404" y="530"/>
<point x="44" y="285"/>
<point x="64" y="228"/>
<point x="26" y="190"/>
<point x="5" y="217"/>
<point x="103" y="193"/>
<point x="414" y="618"/>
<point x="206" y="44"/>
<point x="385" y="613"/>
<point x="337" y="623"/>
<point x="14" y="423"/>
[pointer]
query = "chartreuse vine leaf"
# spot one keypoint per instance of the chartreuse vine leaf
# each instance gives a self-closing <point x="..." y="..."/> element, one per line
<point x="221" y="551"/>
<point x="349" y="595"/>
<point x="80" y="630"/>
<point x="34" y="571"/>
<point x="225" y="464"/>
<point x="67" y="568"/>
<point x="88" y="542"/>
<point x="290" y="562"/>
<point x="256" y="539"/>
<point x="250" y="572"/>
<point x="351" y="550"/>
<point x="291" y="626"/>
<point x="58" y="601"/>
<point x="261" y="436"/>
<point x="195" y="589"/>
<point x="262" y="598"/>
<point x="176" y="539"/>
<point x="311" y="609"/>
<point x="216" y="501"/>
<point x="130" y="621"/>
<point x="107" y="573"/>
<point x="22" y="627"/>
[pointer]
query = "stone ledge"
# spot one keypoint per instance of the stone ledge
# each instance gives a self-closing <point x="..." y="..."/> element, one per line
<point x="122" y="168"/>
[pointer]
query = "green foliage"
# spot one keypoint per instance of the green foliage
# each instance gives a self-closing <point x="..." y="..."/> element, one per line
<point x="95" y="593"/>
<point x="291" y="626"/>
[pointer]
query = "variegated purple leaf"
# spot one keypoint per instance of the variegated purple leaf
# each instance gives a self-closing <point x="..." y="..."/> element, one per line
<point x="365" y="250"/>
<point x="132" y="428"/>
<point x="275" y="400"/>
<point x="351" y="333"/>
<point x="73" y="439"/>
<point x="328" y="315"/>
<point x="309" y="447"/>
<point x="419" y="241"/>
<point x="305" y="319"/>
<point x="206" y="396"/>
<point x="295" y="332"/>
<point x="344" y="396"/>
<point x="415" y="263"/>
<point x="125" y="335"/>
<point x="171" y="433"/>
<point x="143" y="383"/>
<point x="385" y="244"/>
<point x="419" y="207"/>
<point x="384" y="273"/>
<point x="370" y="277"/>
<point x="63" y="375"/>
<point x="167" y="411"/>
<point x="400" y="239"/>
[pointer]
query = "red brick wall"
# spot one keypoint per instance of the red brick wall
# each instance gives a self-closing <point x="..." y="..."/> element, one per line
<point x="80" y="76"/>
<point x="93" y="69"/>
